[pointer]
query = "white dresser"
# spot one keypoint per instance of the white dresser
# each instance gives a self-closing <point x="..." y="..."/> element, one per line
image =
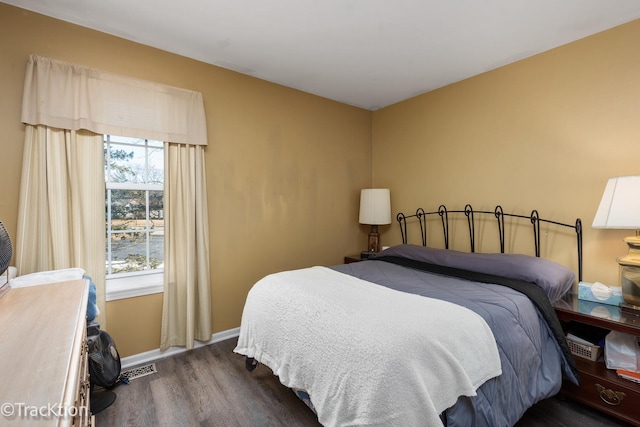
<point x="43" y="356"/>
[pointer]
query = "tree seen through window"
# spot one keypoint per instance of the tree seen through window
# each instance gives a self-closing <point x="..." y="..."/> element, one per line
<point x="134" y="176"/>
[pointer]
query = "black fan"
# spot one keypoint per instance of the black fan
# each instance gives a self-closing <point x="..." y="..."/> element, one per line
<point x="104" y="360"/>
<point x="6" y="250"/>
<point x="104" y="369"/>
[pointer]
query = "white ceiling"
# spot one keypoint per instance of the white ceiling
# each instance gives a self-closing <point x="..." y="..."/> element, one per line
<point x="367" y="53"/>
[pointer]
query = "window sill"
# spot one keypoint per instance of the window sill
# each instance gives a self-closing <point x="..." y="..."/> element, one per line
<point x="134" y="286"/>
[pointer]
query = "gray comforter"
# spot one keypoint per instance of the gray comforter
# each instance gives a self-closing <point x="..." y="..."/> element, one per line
<point x="532" y="361"/>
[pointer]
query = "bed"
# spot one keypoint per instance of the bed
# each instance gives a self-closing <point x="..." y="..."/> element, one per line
<point x="418" y="335"/>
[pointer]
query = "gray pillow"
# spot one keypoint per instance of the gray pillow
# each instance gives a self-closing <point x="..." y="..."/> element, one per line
<point x="554" y="279"/>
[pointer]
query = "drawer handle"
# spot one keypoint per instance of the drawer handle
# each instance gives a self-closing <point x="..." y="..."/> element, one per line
<point x="610" y="397"/>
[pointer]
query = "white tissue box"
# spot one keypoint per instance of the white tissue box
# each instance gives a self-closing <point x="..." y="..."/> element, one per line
<point x="601" y="293"/>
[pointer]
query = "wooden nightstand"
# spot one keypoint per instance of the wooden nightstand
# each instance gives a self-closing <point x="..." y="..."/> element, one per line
<point x="352" y="258"/>
<point x="598" y="384"/>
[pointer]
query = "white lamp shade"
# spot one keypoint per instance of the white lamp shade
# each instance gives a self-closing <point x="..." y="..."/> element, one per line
<point x="620" y="204"/>
<point x="375" y="206"/>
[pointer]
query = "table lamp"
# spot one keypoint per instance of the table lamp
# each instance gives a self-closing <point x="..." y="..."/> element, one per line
<point x="375" y="209"/>
<point x="620" y="208"/>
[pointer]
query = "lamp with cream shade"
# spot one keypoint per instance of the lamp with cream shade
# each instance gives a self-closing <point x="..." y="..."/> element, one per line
<point x="375" y="209"/>
<point x="620" y="209"/>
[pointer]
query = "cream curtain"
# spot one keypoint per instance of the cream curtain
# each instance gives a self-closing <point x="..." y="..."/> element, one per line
<point x="186" y="314"/>
<point x="62" y="192"/>
<point x="61" y="210"/>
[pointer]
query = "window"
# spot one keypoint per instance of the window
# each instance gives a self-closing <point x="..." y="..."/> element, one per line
<point x="134" y="220"/>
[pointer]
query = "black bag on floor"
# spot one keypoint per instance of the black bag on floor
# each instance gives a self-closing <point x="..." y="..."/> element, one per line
<point x="104" y="360"/>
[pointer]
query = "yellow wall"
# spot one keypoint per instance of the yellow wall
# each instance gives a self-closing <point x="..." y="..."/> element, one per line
<point x="544" y="133"/>
<point x="285" y="168"/>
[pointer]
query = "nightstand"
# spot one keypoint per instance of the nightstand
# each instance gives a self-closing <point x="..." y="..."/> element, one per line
<point x="352" y="258"/>
<point x="599" y="386"/>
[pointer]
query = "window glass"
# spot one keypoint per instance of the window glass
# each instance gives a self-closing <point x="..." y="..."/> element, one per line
<point x="134" y="175"/>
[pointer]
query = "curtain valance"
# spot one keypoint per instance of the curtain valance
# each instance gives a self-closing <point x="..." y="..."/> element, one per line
<point x="69" y="96"/>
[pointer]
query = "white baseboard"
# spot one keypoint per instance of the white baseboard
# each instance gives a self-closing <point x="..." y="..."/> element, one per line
<point x="152" y="355"/>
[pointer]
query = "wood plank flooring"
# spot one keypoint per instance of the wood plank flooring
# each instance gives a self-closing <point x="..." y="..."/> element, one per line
<point x="210" y="386"/>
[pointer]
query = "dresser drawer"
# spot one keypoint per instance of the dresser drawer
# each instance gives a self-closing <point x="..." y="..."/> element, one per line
<point x="617" y="397"/>
<point x="83" y="418"/>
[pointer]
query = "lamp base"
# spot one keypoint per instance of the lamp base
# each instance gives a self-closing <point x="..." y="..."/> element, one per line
<point x="633" y="257"/>
<point x="630" y="279"/>
<point x="630" y="276"/>
<point x="374" y="240"/>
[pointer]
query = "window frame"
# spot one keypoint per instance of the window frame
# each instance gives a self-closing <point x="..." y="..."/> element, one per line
<point x="134" y="284"/>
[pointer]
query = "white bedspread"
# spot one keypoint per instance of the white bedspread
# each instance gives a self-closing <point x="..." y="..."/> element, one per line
<point x="366" y="354"/>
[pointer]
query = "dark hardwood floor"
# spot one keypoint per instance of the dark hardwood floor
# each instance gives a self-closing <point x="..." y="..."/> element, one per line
<point x="210" y="386"/>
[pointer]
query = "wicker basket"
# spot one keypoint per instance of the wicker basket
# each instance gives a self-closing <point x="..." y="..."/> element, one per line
<point x="591" y="352"/>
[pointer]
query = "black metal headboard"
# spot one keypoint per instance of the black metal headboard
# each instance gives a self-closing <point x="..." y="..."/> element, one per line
<point x="499" y="215"/>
